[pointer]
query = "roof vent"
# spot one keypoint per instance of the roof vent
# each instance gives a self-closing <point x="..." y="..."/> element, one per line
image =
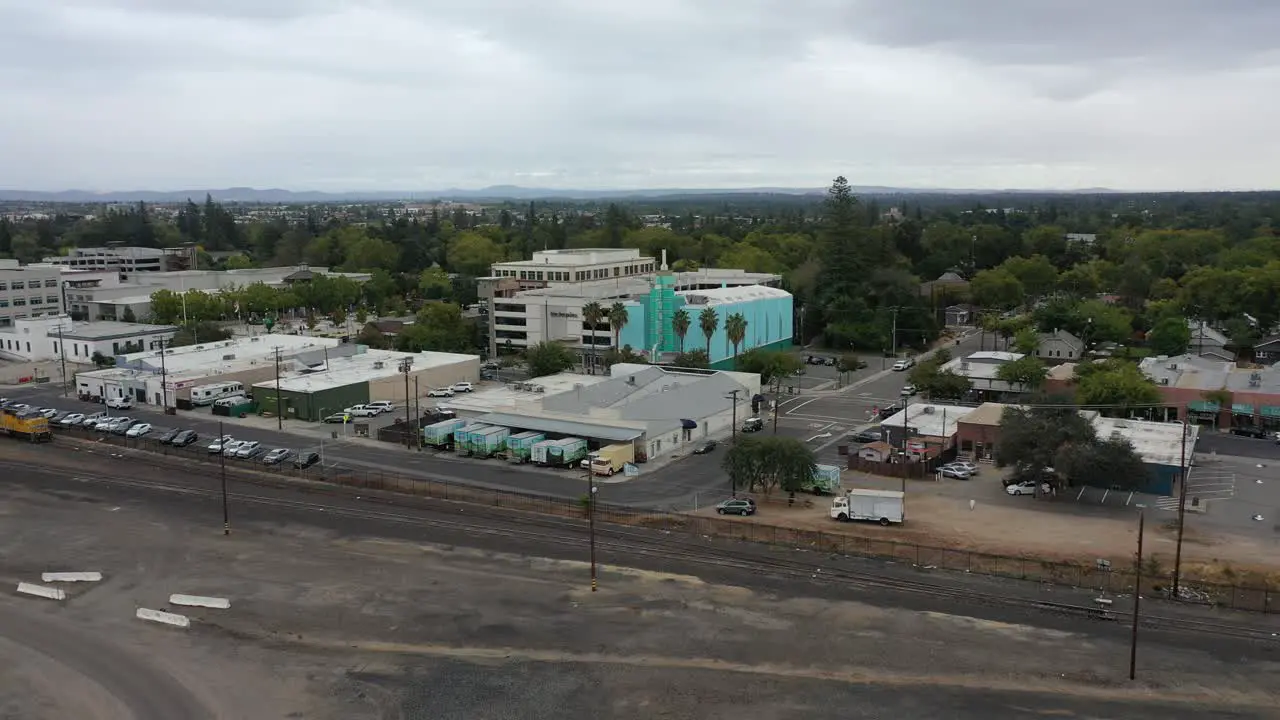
<point x="929" y="410"/>
<point x="378" y="365"/>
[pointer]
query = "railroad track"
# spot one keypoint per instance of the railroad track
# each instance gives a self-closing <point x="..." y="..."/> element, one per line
<point x="571" y="532"/>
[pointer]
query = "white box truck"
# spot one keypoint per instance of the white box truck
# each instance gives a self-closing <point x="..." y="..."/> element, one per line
<point x="882" y="506"/>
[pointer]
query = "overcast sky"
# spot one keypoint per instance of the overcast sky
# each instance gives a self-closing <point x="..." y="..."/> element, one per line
<point x="429" y="94"/>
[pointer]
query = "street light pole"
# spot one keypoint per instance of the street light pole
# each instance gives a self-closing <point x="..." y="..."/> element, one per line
<point x="222" y="457"/>
<point x="417" y="415"/>
<point x="591" y="523"/>
<point x="733" y="395"/>
<point x="1137" y="600"/>
<point x="62" y="351"/>
<point x="1182" y="514"/>
<point x="405" y="366"/>
<point x="279" y="415"/>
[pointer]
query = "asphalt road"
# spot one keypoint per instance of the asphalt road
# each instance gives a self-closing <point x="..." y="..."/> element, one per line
<point x="341" y="513"/>
<point x="146" y="692"/>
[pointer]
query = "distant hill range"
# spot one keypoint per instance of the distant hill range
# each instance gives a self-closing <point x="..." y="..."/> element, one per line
<point x="495" y="192"/>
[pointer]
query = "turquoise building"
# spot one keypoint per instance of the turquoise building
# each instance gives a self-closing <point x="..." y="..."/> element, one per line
<point x="768" y="312"/>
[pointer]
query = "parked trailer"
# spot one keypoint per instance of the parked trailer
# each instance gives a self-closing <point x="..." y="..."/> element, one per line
<point x="441" y="434"/>
<point x="567" y="452"/>
<point x="538" y="451"/>
<point x="462" y="437"/>
<point x="490" y="442"/>
<point x="213" y="392"/>
<point x="520" y="445"/>
<point x="882" y="506"/>
<point x="824" y="481"/>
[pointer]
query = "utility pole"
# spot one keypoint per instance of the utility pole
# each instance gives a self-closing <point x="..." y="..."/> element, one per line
<point x="406" y="365"/>
<point x="164" y="382"/>
<point x="279" y="415"/>
<point x="894" y="347"/>
<point x="1137" y="600"/>
<point x="733" y="394"/>
<point x="591" y="523"/>
<point x="62" y="350"/>
<point x="417" y="415"/>
<point x="1182" y="513"/>
<point x="222" y="458"/>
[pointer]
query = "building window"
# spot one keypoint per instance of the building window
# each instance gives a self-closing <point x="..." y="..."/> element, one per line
<point x="36" y="300"/>
<point x="19" y="285"/>
<point x="19" y="301"/>
<point x="4" y="287"/>
<point x="28" y="347"/>
<point x="55" y="347"/>
<point x="4" y="303"/>
<point x="75" y="349"/>
<point x="51" y="300"/>
<point x="51" y="283"/>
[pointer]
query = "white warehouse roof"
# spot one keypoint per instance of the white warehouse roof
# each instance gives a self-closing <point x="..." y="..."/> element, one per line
<point x="728" y="295"/>
<point x="366" y="366"/>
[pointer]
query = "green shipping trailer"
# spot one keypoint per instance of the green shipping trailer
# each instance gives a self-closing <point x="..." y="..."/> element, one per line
<point x="538" y="451"/>
<point x="462" y="437"/>
<point x="440" y="434"/>
<point x="567" y="452"/>
<point x="489" y="442"/>
<point x="520" y="445"/>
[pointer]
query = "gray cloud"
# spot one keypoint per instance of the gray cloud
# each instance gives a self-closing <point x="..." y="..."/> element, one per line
<point x="351" y="94"/>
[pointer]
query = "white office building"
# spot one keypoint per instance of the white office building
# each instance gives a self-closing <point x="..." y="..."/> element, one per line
<point x="46" y="338"/>
<point x="126" y="261"/>
<point x="28" y="291"/>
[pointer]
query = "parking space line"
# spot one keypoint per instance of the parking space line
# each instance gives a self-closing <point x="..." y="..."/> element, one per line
<point x="1082" y="489"/>
<point x="806" y="402"/>
<point x="1128" y="500"/>
<point x="1104" y="496"/>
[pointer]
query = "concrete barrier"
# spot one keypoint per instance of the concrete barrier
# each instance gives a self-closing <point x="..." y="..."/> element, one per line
<point x="160" y="616"/>
<point x="198" y="601"/>
<point x="71" y="577"/>
<point x="42" y="591"/>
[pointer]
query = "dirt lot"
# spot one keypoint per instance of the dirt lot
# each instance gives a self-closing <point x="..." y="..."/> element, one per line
<point x="939" y="514"/>
<point x="325" y="624"/>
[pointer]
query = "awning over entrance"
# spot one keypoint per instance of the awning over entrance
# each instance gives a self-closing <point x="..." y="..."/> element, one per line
<point x="1271" y="411"/>
<point x="1242" y="409"/>
<point x="1203" y="406"/>
<point x="688" y="424"/>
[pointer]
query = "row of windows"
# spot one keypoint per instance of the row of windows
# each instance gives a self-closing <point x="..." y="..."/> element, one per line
<point x="34" y="300"/>
<point x="578" y="276"/>
<point x="22" y="285"/>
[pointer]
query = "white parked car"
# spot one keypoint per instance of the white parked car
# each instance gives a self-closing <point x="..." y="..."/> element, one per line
<point x="361" y="411"/>
<point x="462" y="387"/>
<point x="248" y="449"/>
<point x="969" y="467"/>
<point x="48" y="412"/>
<point x="92" y="420"/>
<point x="905" y="364"/>
<point x="231" y="447"/>
<point x="217" y="446"/>
<point x="105" y="424"/>
<point x="441" y="392"/>
<point x="1026" y="487"/>
<point x="909" y="390"/>
<point x="138" y="430"/>
<point x="72" y="419"/>
<point x="382" y="406"/>
<point x="119" y="403"/>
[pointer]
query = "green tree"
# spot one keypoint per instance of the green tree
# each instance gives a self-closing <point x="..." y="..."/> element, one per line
<point x="708" y="323"/>
<point x="997" y="289"/>
<point x="128" y="315"/>
<point x="625" y="354"/>
<point x="771" y="365"/>
<point x="166" y="307"/>
<point x="1026" y="341"/>
<point x="763" y="463"/>
<point x="438" y="327"/>
<point x="1109" y="463"/>
<point x="692" y="359"/>
<point x="1028" y="373"/>
<point x="199" y="332"/>
<point x="592" y="314"/>
<point x="1116" y="386"/>
<point x="1170" y="336"/>
<point x="1037" y="275"/>
<point x="471" y="253"/>
<point x="434" y="283"/>
<point x="618" y="318"/>
<point x="937" y="384"/>
<point x="848" y="363"/>
<point x="548" y="358"/>
<point x="1030" y="439"/>
<point x="680" y="323"/>
<point x="239" y="261"/>
<point x="371" y="336"/>
<point x="735" y="328"/>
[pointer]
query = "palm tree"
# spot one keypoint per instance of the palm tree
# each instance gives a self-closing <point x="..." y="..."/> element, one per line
<point x="708" y="322"/>
<point x="735" y="327"/>
<point x="592" y="314"/>
<point x="680" y="324"/>
<point x="617" y="320"/>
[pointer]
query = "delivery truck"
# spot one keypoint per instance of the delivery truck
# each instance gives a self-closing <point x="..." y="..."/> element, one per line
<point x="882" y="506"/>
<point x="612" y="459"/>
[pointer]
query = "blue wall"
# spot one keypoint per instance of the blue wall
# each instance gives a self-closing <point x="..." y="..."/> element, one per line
<point x="634" y="331"/>
<point x="769" y="322"/>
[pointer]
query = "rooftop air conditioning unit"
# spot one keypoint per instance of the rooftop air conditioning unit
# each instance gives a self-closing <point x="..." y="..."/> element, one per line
<point x="928" y="410"/>
<point x="1173" y="366"/>
<point x="1117" y="435"/>
<point x="378" y="365"/>
<point x="1164" y="381"/>
<point x="229" y="357"/>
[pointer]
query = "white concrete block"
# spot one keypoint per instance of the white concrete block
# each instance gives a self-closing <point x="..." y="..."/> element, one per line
<point x="160" y="616"/>
<point x="71" y="577"/>
<point x="198" y="601"/>
<point x="42" y="591"/>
